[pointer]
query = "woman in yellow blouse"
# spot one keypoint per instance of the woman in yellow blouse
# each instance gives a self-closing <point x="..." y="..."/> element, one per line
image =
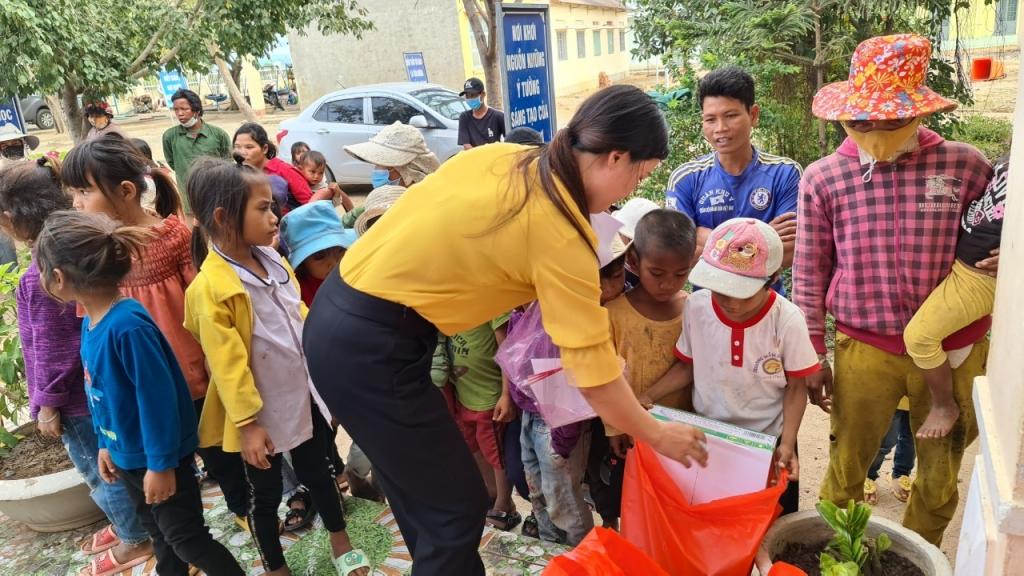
<point x="494" y="228"/>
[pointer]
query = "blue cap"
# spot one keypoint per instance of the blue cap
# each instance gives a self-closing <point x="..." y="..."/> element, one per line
<point x="314" y="227"/>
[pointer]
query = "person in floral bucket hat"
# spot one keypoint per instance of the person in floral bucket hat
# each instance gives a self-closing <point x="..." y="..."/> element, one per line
<point x="877" y="232"/>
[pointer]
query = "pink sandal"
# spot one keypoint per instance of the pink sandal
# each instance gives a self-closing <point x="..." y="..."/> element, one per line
<point x="105" y="564"/>
<point x="101" y="541"/>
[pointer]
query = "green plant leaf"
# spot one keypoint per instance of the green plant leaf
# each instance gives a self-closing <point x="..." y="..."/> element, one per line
<point x="883" y="542"/>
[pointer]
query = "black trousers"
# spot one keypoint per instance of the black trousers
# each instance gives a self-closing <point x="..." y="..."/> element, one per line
<point x="225" y="468"/>
<point x="370" y="360"/>
<point x="177" y="527"/>
<point x="604" y="475"/>
<point x="313" y="466"/>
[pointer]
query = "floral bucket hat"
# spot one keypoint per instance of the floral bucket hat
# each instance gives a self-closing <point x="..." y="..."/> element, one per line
<point x="887" y="76"/>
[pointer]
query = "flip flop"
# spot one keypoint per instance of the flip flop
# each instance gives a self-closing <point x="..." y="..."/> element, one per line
<point x="305" y="515"/>
<point x="101" y="541"/>
<point x="351" y="561"/>
<point x="870" y="492"/>
<point x="104" y="564"/>
<point x="504" y="521"/>
<point x="901" y="487"/>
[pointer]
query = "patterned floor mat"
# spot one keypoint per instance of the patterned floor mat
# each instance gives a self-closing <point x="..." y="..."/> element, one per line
<point x="372" y="527"/>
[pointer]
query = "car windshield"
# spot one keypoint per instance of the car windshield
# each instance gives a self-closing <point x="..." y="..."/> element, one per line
<point x="444" y="102"/>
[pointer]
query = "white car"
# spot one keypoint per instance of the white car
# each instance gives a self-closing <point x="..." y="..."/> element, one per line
<point x="353" y="115"/>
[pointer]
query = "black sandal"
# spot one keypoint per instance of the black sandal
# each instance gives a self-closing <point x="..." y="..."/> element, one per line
<point x="305" y="515"/>
<point x="504" y="521"/>
<point x="530" y="527"/>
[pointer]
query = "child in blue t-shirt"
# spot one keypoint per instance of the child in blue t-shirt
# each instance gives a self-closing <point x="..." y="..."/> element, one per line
<point x="141" y="407"/>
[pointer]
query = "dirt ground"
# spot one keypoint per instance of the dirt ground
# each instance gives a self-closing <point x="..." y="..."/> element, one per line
<point x="997" y="98"/>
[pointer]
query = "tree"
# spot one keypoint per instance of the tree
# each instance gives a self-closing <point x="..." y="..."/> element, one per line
<point x="483" y="20"/>
<point x="802" y="43"/>
<point x="86" y="50"/>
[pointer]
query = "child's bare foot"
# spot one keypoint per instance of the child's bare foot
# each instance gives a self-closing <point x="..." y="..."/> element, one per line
<point x="940" y="421"/>
<point x="348" y="561"/>
<point x="118" y="559"/>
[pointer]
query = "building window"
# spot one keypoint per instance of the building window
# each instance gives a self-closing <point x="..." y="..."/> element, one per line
<point x="597" y="42"/>
<point x="581" y="44"/>
<point x="563" y="44"/>
<point x="622" y="40"/>
<point x="611" y="42"/>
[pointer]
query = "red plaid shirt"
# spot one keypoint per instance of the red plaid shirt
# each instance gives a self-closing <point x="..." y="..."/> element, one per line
<point x="871" y="252"/>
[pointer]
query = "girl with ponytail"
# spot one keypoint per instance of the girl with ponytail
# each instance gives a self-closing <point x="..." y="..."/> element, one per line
<point x="137" y="396"/>
<point x="50" y="338"/>
<point x="109" y="176"/>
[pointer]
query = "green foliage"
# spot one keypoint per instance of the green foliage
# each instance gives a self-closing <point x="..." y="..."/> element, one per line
<point x="850" y="552"/>
<point x="13" y="390"/>
<point x="990" y="135"/>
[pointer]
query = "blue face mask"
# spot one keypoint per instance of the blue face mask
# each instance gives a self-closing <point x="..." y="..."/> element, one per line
<point x="473" y="103"/>
<point x="380" y="177"/>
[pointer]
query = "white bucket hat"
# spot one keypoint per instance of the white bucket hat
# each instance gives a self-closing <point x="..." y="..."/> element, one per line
<point x="631" y="213"/>
<point x="10" y="132"/>
<point x="395" y="145"/>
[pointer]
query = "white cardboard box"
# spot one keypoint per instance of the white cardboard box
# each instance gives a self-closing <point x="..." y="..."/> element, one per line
<point x="738" y="459"/>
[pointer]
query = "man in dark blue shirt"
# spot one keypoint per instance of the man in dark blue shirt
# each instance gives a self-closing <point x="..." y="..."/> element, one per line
<point x="737" y="179"/>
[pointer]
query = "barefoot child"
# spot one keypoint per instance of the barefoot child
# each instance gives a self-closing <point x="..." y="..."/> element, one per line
<point x="50" y="340"/>
<point x="966" y="295"/>
<point x="245" y="311"/>
<point x="138" y="397"/>
<point x="646" y="321"/>
<point x="743" y="348"/>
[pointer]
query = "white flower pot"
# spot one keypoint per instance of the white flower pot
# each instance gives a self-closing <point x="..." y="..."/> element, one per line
<point x="808" y="528"/>
<point x="51" y="503"/>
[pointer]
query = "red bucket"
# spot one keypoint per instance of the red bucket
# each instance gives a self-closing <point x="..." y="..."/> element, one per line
<point x="981" y="69"/>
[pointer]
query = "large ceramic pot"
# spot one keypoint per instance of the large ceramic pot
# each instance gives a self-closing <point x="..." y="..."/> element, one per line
<point x="808" y="528"/>
<point x="51" y="503"/>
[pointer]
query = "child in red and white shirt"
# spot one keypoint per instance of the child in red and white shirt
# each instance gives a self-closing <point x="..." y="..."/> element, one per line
<point x="744" y="348"/>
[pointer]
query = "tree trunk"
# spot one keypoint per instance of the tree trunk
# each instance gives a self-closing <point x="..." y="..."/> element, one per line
<point x="819" y="76"/>
<point x="236" y="75"/>
<point x="72" y="112"/>
<point x="483" y="21"/>
<point x="58" y="114"/>
<point x="236" y="95"/>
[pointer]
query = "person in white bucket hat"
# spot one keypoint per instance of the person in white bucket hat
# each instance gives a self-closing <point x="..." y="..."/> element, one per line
<point x="13" y="142"/>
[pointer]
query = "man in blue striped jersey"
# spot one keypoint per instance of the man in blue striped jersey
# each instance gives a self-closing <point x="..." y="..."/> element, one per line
<point x="737" y="179"/>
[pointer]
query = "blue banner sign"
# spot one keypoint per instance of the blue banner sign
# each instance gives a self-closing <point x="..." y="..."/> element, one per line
<point x="526" y="68"/>
<point x="170" y="82"/>
<point x="10" y="113"/>
<point x="415" y="67"/>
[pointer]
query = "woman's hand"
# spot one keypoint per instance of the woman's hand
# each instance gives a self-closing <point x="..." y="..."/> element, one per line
<point x="48" y="422"/>
<point x="256" y="444"/>
<point x="990" y="265"/>
<point x="339" y="195"/>
<point x="159" y="486"/>
<point x="108" y="472"/>
<point x="682" y="443"/>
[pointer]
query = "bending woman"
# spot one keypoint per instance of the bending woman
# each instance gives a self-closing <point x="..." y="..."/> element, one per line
<point x="494" y="228"/>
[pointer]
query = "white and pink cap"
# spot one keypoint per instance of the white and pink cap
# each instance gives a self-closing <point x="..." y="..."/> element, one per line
<point x="740" y="256"/>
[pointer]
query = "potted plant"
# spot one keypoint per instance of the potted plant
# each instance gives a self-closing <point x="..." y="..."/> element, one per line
<point x="835" y="541"/>
<point x="39" y="487"/>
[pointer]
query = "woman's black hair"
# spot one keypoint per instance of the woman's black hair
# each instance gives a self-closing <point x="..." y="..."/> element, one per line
<point x="92" y="251"/>
<point x="259" y="135"/>
<point x="143" y="147"/>
<point x="111" y="160"/>
<point x="315" y="158"/>
<point x="666" y="230"/>
<point x="214" y="183"/>
<point x="525" y="135"/>
<point x="30" y="192"/>
<point x="96" y="109"/>
<point x="617" y="118"/>
<point x="194" y="102"/>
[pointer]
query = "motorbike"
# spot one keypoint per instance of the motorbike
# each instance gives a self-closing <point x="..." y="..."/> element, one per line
<point x="272" y="96"/>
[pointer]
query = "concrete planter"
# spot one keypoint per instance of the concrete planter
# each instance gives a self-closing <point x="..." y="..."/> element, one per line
<point x="51" y="503"/>
<point x="808" y="528"/>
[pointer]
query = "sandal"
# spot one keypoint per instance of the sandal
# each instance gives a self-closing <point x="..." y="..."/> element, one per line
<point x="299" y="518"/>
<point x="101" y="541"/>
<point x="351" y="561"/>
<point x="870" y="492"/>
<point x="530" y="527"/>
<point x="901" y="487"/>
<point x="104" y="564"/>
<point x="504" y="521"/>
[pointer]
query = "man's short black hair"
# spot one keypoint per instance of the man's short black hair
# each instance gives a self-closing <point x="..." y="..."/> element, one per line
<point x="193" y="100"/>
<point x="729" y="82"/>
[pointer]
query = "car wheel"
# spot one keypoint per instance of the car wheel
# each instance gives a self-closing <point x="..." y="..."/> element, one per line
<point x="44" y="119"/>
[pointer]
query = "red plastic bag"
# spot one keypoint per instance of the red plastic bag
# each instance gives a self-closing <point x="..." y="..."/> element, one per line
<point x="603" y="553"/>
<point x="715" y="538"/>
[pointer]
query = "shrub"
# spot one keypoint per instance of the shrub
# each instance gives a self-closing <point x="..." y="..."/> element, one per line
<point x="13" y="388"/>
<point x="990" y="135"/>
